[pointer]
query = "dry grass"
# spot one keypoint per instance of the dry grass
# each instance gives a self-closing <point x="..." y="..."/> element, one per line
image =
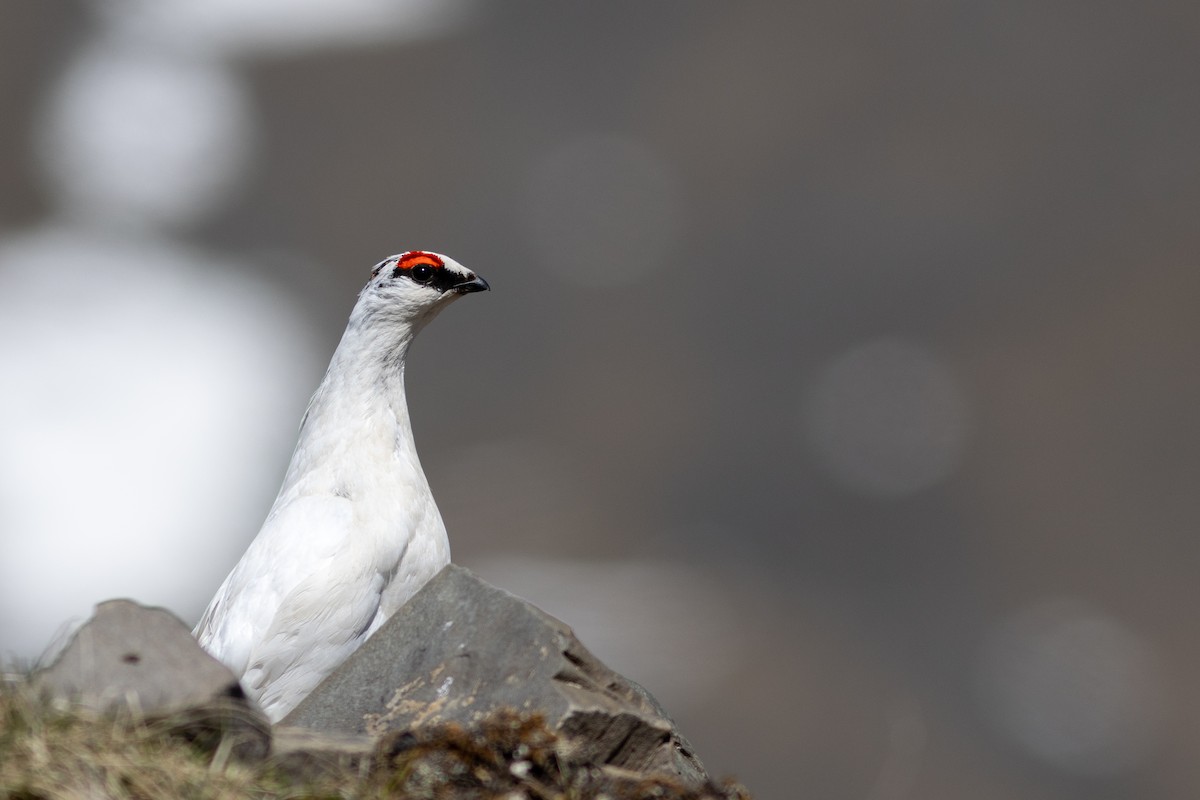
<point x="49" y="752"/>
<point x="52" y="752"/>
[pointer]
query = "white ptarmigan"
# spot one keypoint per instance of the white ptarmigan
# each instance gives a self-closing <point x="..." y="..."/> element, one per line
<point x="354" y="532"/>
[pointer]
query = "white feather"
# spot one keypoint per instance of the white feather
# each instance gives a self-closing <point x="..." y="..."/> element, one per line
<point x="354" y="532"/>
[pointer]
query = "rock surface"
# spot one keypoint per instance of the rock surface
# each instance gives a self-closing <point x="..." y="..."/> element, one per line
<point x="462" y="649"/>
<point x="467" y="686"/>
<point x="130" y="658"/>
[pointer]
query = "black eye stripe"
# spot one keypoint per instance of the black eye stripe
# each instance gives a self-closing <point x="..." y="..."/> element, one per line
<point x="402" y="272"/>
<point x="442" y="279"/>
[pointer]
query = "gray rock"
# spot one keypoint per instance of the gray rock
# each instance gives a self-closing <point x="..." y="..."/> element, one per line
<point x="461" y="649"/>
<point x="133" y="659"/>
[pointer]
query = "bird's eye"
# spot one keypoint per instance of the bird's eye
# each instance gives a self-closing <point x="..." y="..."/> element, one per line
<point x="422" y="273"/>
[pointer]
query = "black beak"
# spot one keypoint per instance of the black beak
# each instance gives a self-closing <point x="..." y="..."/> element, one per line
<point x="476" y="284"/>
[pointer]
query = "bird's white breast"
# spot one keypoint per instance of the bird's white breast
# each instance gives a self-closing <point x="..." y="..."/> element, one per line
<point x="353" y="534"/>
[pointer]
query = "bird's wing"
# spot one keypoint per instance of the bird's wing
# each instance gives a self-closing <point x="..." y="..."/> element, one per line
<point x="304" y="545"/>
<point x="327" y="585"/>
<point x="317" y="626"/>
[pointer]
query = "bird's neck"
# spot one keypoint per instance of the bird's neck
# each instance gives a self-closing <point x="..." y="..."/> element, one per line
<point x="360" y="410"/>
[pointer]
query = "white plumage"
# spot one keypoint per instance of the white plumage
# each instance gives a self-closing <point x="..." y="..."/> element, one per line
<point x="354" y="532"/>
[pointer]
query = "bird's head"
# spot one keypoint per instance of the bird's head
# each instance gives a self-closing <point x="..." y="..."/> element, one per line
<point x="410" y="288"/>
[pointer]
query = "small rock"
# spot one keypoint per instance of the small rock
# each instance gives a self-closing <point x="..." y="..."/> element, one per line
<point x="462" y="649"/>
<point x="133" y="659"/>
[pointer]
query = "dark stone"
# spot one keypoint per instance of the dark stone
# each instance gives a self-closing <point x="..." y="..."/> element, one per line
<point x="135" y="660"/>
<point x="462" y="649"/>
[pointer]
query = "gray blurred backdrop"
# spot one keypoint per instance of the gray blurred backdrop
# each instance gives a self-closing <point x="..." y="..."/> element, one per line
<point x="838" y="382"/>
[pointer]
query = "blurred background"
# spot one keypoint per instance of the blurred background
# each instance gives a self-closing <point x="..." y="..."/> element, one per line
<point x="837" y="382"/>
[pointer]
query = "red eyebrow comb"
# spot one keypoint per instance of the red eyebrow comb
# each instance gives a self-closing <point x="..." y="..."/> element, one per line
<point x="415" y="257"/>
